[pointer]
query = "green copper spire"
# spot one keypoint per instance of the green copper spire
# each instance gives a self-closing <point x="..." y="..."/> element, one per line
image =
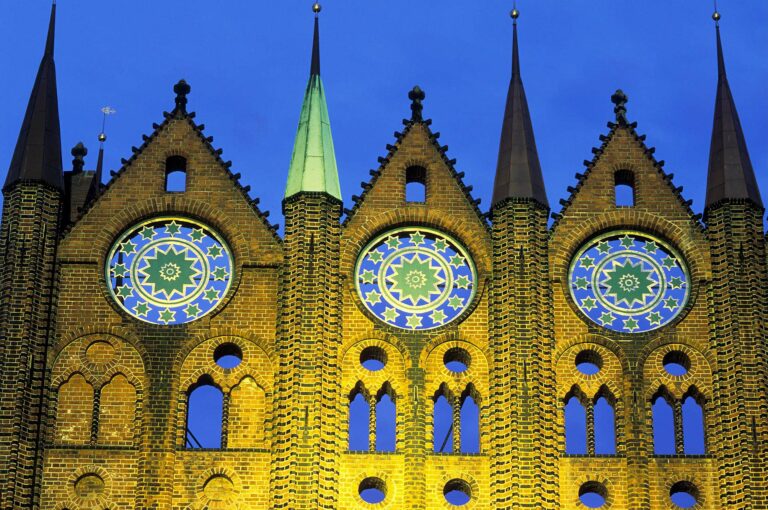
<point x="313" y="163"/>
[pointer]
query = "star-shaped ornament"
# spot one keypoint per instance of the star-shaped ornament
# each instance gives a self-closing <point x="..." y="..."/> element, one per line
<point x="627" y="241"/>
<point x="581" y="283"/>
<point x="676" y="282"/>
<point x="390" y="314"/>
<point x="587" y="262"/>
<point x="373" y="297"/>
<point x="589" y="304"/>
<point x="457" y="261"/>
<point x="125" y="291"/>
<point x="654" y="318"/>
<point x="417" y="238"/>
<point x="211" y="295"/>
<point x="603" y="247"/>
<point x="219" y="273"/>
<point x="172" y="228"/>
<point x="119" y="270"/>
<point x="413" y="321"/>
<point x="128" y="247"/>
<point x="630" y="325"/>
<point x="438" y="316"/>
<point x="669" y="262"/>
<point x="214" y="251"/>
<point x="147" y="232"/>
<point x="375" y="256"/>
<point x="651" y="246"/>
<point x="455" y="302"/>
<point x="440" y="244"/>
<point x="670" y="303"/>
<point x="368" y="276"/>
<point x="166" y="316"/>
<point x="141" y="309"/>
<point x="192" y="310"/>
<point x="197" y="235"/>
<point x="393" y="242"/>
<point x="462" y="282"/>
<point x="607" y="318"/>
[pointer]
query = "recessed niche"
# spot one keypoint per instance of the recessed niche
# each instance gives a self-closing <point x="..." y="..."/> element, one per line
<point x="676" y="363"/>
<point x="100" y="352"/>
<point x="373" y="358"/>
<point x="457" y="360"/>
<point x="457" y="492"/>
<point x="228" y="355"/>
<point x="372" y="490"/>
<point x="593" y="494"/>
<point x="89" y="486"/>
<point x="219" y="488"/>
<point x="589" y="362"/>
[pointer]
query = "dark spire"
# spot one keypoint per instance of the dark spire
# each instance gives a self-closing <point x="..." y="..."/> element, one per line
<point x="314" y="68"/>
<point x="730" y="174"/>
<point x="37" y="156"/>
<point x="518" y="172"/>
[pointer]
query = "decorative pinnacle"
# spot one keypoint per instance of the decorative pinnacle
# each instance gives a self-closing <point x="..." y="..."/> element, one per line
<point x="716" y="16"/>
<point x="416" y="95"/>
<point x="78" y="151"/>
<point x="181" y="89"/>
<point x="316" y="8"/>
<point x="619" y="98"/>
<point x="107" y="110"/>
<point x="514" y="14"/>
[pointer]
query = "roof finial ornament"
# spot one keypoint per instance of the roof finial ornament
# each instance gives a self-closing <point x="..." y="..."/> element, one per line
<point x="79" y="152"/>
<point x="316" y="8"/>
<point x="716" y="15"/>
<point x="107" y="110"/>
<point x="514" y="13"/>
<point x="416" y="95"/>
<point x="619" y="98"/>
<point x="181" y="89"/>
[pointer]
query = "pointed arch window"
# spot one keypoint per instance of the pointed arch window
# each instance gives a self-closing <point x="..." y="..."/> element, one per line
<point x="694" y="434"/>
<point x="679" y="425"/>
<point x="386" y="420"/>
<point x="176" y="174"/>
<point x="359" y="419"/>
<point x="205" y="413"/>
<point x="662" y="406"/>
<point x="575" y="423"/>
<point x="416" y="184"/>
<point x="470" y="422"/>
<point x="605" y="423"/>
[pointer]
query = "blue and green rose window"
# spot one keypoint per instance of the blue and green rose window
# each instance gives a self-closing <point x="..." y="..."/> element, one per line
<point x="629" y="282"/>
<point x="415" y="278"/>
<point x="169" y="270"/>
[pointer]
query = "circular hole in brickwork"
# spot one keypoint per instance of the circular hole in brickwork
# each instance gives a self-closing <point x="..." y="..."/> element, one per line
<point x="228" y="355"/>
<point x="593" y="494"/>
<point x="589" y="362"/>
<point x="457" y="492"/>
<point x="89" y="486"/>
<point x="457" y="360"/>
<point x="373" y="358"/>
<point x="684" y="495"/>
<point x="219" y="488"/>
<point x="676" y="363"/>
<point x="372" y="490"/>
<point x="100" y="352"/>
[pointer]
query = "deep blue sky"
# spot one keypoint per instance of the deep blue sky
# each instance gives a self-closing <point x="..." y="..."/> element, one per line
<point x="248" y="63"/>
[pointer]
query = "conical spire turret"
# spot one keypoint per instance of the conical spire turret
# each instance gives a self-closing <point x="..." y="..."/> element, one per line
<point x="518" y="171"/>
<point x="313" y="163"/>
<point x="37" y="157"/>
<point x="730" y="174"/>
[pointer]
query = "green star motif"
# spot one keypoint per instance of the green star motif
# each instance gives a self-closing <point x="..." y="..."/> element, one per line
<point x="669" y="262"/>
<point x="630" y="324"/>
<point x="415" y="279"/>
<point x="462" y="282"/>
<point x="440" y="244"/>
<point x="670" y="303"/>
<point x="393" y="242"/>
<point x="651" y="246"/>
<point x="629" y="283"/>
<point x="375" y="256"/>
<point x="654" y="318"/>
<point x="211" y="295"/>
<point x="417" y="238"/>
<point x="214" y="251"/>
<point x="197" y="235"/>
<point x="390" y="315"/>
<point x="603" y="247"/>
<point x="455" y="302"/>
<point x="192" y="310"/>
<point x="438" y="316"/>
<point x="581" y="283"/>
<point x="147" y="232"/>
<point x="457" y="261"/>
<point x="627" y="241"/>
<point x="368" y="276"/>
<point x="167" y="316"/>
<point x="676" y="283"/>
<point x="125" y="291"/>
<point x="170" y="272"/>
<point x="172" y="228"/>
<point x="373" y="297"/>
<point x="119" y="270"/>
<point x="589" y="304"/>
<point x="414" y="321"/>
<point x="607" y="318"/>
<point x="587" y="262"/>
<point x="128" y="247"/>
<point x="219" y="273"/>
<point x="141" y="309"/>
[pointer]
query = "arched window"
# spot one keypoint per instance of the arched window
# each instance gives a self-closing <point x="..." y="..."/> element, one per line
<point x="386" y="421"/>
<point x="575" y="424"/>
<point x="625" y="188"/>
<point x="205" y="407"/>
<point x="442" y="419"/>
<point x="117" y="411"/>
<point x="359" y="420"/>
<point x="694" y="438"/>
<point x="416" y="184"/>
<point x="663" y="424"/>
<point x="176" y="174"/>
<point x="74" y="413"/>
<point x="470" y="425"/>
<point x="605" y="425"/>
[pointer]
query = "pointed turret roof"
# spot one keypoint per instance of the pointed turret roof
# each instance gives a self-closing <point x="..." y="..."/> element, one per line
<point x="518" y="172"/>
<point x="313" y="163"/>
<point x="37" y="156"/>
<point x="730" y="174"/>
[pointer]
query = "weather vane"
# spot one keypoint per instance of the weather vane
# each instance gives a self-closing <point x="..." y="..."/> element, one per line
<point x="107" y="110"/>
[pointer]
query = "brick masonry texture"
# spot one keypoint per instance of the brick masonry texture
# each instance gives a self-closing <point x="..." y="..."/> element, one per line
<point x="94" y="402"/>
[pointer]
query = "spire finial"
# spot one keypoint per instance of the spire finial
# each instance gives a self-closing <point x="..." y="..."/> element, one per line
<point x="79" y="152"/>
<point x="716" y="15"/>
<point x="51" y="32"/>
<point x="619" y="98"/>
<point x="416" y="95"/>
<point x="181" y="89"/>
<point x="316" y="8"/>
<point x="107" y="110"/>
<point x="514" y="13"/>
<point x="314" y="68"/>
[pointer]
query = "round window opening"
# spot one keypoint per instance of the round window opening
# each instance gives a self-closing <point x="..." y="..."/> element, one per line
<point x="629" y="282"/>
<point x="684" y="495"/>
<point x="593" y="495"/>
<point x="372" y="490"/>
<point x="457" y="492"/>
<point x="373" y="358"/>
<point x="228" y="355"/>
<point x="589" y="362"/>
<point x="676" y="363"/>
<point x="169" y="270"/>
<point x="457" y="360"/>
<point x="415" y="278"/>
